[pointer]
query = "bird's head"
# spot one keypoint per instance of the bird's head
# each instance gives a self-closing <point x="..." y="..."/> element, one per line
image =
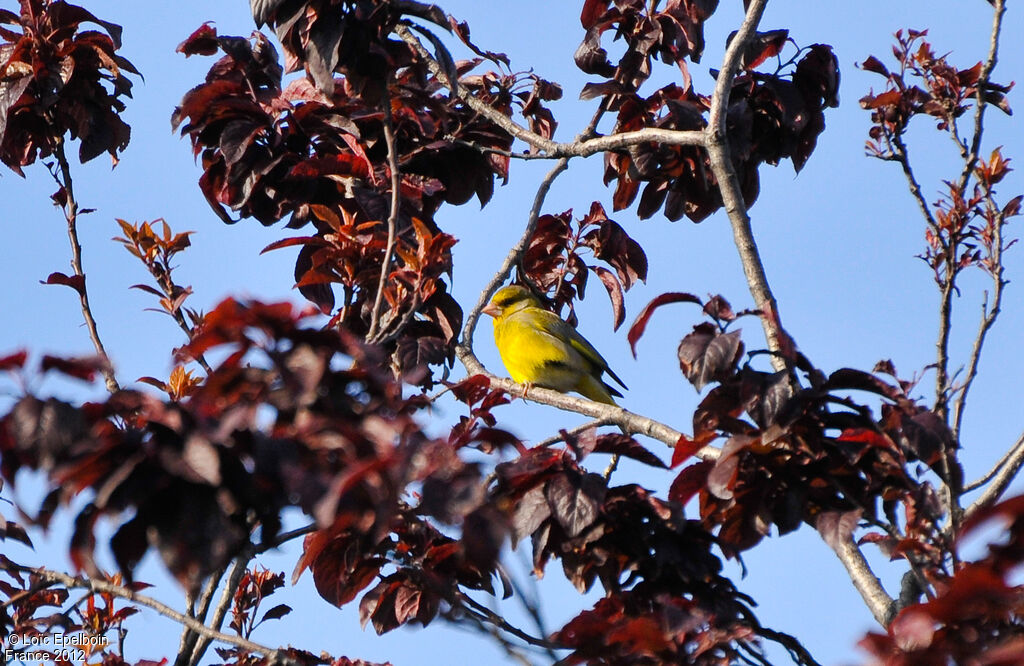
<point x="509" y="299"/>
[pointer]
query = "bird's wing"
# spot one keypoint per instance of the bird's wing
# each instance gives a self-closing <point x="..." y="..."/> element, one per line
<point x="553" y="325"/>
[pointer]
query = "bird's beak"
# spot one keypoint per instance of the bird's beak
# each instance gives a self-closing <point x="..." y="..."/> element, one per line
<point x="492" y="310"/>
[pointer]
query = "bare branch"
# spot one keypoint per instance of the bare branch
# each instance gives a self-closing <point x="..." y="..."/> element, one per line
<point x="485" y="614"/>
<point x="901" y="156"/>
<point x="988" y="319"/>
<point x="396" y="186"/>
<point x="104" y="587"/>
<point x="581" y="147"/>
<point x="630" y="422"/>
<point x="511" y="259"/>
<point x="797" y="652"/>
<point x="589" y="425"/>
<point x="717" y="144"/>
<point x="237" y="571"/>
<point x="1001" y="476"/>
<point x="70" y="209"/>
<point x="189" y="637"/>
<point x="864" y="579"/>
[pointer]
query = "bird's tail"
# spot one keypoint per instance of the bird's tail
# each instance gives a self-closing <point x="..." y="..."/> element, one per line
<point x="597" y="390"/>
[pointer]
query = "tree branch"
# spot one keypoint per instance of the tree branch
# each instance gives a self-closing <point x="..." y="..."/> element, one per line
<point x="396" y="186"/>
<point x="485" y="614"/>
<point x="999" y="8"/>
<point x="580" y="147"/>
<point x="1001" y="476"/>
<point x="189" y="637"/>
<point x="864" y="579"/>
<point x="511" y="259"/>
<point x="104" y="587"/>
<point x="237" y="571"/>
<point x="198" y="648"/>
<point x="630" y="422"/>
<point x="70" y="209"/>
<point x="717" y="143"/>
<point x="988" y="316"/>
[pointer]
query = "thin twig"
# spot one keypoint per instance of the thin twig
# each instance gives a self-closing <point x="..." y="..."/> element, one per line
<point x="188" y="637"/>
<point x="104" y="587"/>
<point x="70" y="208"/>
<point x="981" y="87"/>
<point x="555" y="439"/>
<point x="1000" y="480"/>
<point x="902" y="157"/>
<point x="797" y="652"/>
<point x="484" y="613"/>
<point x="511" y="259"/>
<point x="462" y="618"/>
<point x="396" y="186"/>
<point x="532" y="607"/>
<point x="973" y="485"/>
<point x="717" y="144"/>
<point x="989" y="316"/>
<point x="237" y="571"/>
<point x="613" y="464"/>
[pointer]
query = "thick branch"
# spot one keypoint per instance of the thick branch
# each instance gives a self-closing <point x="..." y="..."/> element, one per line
<point x="717" y="144"/>
<point x="630" y="422"/>
<point x="865" y="580"/>
<point x="70" y="207"/>
<point x="104" y="587"/>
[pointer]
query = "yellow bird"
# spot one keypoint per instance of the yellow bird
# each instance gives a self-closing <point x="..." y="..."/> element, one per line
<point x="538" y="348"/>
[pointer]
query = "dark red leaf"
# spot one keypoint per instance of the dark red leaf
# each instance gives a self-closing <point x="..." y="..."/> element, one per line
<point x="719" y="309"/>
<point x="575" y="500"/>
<point x="640" y="324"/>
<point x="690" y="481"/>
<point x="592" y="11"/>
<point x="761" y="46"/>
<point x="14" y="361"/>
<point x="837" y="527"/>
<point x="873" y="64"/>
<point x="624" y="445"/>
<point x="276" y="612"/>
<point x="201" y="42"/>
<point x="614" y="288"/>
<point x="686" y="447"/>
<point x="76" y="282"/>
<point x="532" y="510"/>
<point x="708" y="355"/>
<point x="79" y="368"/>
<point x="850" y="379"/>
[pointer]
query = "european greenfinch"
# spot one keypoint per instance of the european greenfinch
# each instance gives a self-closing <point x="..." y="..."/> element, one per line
<point x="539" y="348"/>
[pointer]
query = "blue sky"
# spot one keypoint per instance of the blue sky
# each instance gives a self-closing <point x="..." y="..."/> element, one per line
<point x="838" y="242"/>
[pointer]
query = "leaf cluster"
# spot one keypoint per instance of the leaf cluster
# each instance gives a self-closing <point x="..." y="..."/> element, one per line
<point x="57" y="78"/>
